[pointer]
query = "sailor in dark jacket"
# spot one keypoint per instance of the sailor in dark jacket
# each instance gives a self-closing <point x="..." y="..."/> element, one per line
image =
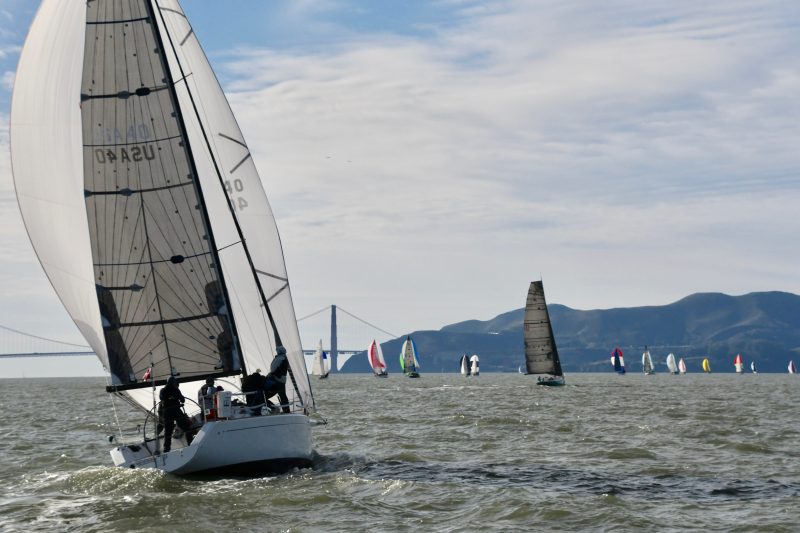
<point x="171" y="411"/>
<point x="275" y="382"/>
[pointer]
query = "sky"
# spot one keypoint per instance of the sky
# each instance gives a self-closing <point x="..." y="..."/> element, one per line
<point x="426" y="160"/>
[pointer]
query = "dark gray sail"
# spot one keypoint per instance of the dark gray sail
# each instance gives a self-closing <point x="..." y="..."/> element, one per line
<point x="541" y="353"/>
<point x="159" y="285"/>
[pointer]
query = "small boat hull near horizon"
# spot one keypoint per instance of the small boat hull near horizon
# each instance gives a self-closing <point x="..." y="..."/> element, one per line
<point x="541" y="352"/>
<point x="254" y="445"/>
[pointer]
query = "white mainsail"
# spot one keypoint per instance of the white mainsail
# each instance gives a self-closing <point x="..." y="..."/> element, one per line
<point x="122" y="144"/>
<point x="673" y="367"/>
<point x="474" y="365"/>
<point x="738" y="364"/>
<point x="464" y="363"/>
<point x="682" y="366"/>
<point x="647" y="362"/>
<point x="321" y="364"/>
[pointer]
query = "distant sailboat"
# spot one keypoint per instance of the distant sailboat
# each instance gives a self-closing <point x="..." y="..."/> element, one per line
<point x="647" y="362"/>
<point x="519" y="370"/>
<point x="474" y="366"/>
<point x="753" y="367"/>
<point x="673" y="368"/>
<point x="682" y="366"/>
<point x="408" y="358"/>
<point x="792" y="369"/>
<point x="706" y="366"/>
<point x="464" y="365"/>
<point x="322" y="364"/>
<point x="617" y="361"/>
<point x="737" y="362"/>
<point x="376" y="361"/>
<point x="541" y="353"/>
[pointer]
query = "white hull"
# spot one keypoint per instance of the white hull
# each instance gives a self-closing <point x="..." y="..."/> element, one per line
<point x="248" y="446"/>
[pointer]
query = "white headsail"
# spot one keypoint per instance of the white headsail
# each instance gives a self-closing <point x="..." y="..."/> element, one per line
<point x="673" y="367"/>
<point x="474" y="365"/>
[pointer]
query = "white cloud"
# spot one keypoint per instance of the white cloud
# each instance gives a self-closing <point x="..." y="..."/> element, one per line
<point x="7" y="80"/>
<point x="540" y="137"/>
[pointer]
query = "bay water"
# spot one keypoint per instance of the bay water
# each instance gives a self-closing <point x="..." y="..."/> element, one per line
<point x="718" y="452"/>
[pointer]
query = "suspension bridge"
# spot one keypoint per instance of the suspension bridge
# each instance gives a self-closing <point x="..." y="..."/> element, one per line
<point x="352" y="330"/>
<point x="338" y="325"/>
<point x="16" y="343"/>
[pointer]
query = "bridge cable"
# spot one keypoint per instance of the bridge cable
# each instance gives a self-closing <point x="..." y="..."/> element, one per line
<point x="365" y="322"/>
<point x="315" y="313"/>
<point x="43" y="338"/>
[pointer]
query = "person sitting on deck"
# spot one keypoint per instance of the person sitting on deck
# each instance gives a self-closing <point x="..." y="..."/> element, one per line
<point x="171" y="413"/>
<point x="253" y="387"/>
<point x="275" y="382"/>
<point x="205" y="396"/>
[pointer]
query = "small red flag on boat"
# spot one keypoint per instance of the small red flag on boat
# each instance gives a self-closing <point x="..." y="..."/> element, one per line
<point x="147" y="374"/>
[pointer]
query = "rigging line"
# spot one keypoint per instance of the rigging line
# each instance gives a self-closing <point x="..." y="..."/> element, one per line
<point x="365" y="322"/>
<point x="315" y="313"/>
<point x="43" y="338"/>
<point x="228" y="246"/>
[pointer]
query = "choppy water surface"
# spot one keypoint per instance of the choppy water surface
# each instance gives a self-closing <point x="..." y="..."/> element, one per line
<point x="441" y="453"/>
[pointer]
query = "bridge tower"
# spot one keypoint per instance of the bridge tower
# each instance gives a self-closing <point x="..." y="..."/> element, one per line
<point x="334" y="341"/>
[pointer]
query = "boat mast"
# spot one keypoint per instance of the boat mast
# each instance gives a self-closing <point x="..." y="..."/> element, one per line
<point x="170" y="81"/>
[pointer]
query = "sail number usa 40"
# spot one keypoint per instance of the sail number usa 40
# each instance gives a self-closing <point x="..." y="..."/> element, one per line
<point x="135" y="153"/>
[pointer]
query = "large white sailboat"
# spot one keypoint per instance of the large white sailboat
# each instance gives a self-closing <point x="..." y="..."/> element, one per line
<point x="464" y="365"/>
<point x="144" y="206"/>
